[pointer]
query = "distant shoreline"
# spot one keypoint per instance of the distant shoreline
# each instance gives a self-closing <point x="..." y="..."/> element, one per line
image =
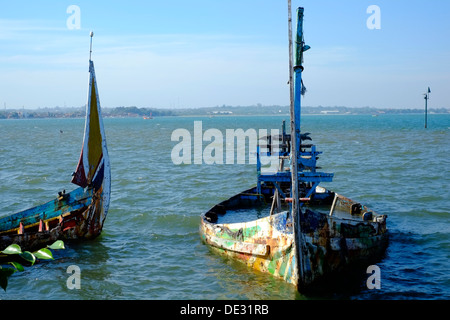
<point x="135" y="112"/>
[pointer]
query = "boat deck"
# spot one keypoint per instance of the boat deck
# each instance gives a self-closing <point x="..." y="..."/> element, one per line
<point x="255" y="213"/>
<point x="248" y="206"/>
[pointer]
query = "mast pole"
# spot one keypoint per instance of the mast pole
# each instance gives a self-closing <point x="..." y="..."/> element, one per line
<point x="291" y="78"/>
<point x="90" y="49"/>
<point x="295" y="141"/>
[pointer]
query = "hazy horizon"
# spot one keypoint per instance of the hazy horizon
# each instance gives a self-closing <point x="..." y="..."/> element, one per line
<point x="217" y="107"/>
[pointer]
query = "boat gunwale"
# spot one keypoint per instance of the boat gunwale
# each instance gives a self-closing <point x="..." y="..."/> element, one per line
<point x="53" y="209"/>
<point x="357" y="220"/>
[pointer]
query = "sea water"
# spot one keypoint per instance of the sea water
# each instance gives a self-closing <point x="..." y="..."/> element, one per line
<point x="150" y="247"/>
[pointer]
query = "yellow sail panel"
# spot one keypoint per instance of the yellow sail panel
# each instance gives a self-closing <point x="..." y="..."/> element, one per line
<point x="94" y="155"/>
<point x="92" y="151"/>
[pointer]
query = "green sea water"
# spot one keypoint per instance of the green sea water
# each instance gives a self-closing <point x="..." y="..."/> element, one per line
<point x="150" y="246"/>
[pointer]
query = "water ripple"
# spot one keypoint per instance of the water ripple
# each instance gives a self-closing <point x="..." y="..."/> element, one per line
<point x="150" y="247"/>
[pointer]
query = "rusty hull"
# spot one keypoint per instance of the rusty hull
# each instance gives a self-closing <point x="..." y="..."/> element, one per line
<point x="334" y="244"/>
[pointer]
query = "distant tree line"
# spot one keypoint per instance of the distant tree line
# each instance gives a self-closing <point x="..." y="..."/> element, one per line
<point x="257" y="109"/>
<point x="135" y="111"/>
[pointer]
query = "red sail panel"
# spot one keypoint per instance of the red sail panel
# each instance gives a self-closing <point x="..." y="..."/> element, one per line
<point x="79" y="176"/>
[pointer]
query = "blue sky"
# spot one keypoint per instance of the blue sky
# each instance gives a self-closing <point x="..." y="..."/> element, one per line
<point x="198" y="53"/>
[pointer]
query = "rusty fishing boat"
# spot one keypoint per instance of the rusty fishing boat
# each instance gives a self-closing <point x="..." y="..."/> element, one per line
<point x="79" y="214"/>
<point x="287" y="225"/>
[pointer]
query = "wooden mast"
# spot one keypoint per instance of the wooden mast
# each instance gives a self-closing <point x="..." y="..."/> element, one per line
<point x="91" y="34"/>
<point x="295" y="141"/>
<point x="303" y="162"/>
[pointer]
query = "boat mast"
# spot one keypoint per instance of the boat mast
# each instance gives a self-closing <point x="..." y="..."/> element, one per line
<point x="295" y="137"/>
<point x="90" y="50"/>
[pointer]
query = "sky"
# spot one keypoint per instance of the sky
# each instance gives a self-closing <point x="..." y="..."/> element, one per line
<point x="206" y="53"/>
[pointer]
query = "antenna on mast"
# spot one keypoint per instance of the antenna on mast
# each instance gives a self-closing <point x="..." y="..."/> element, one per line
<point x="90" y="51"/>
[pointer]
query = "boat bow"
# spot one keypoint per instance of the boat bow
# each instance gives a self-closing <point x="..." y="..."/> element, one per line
<point x="79" y="214"/>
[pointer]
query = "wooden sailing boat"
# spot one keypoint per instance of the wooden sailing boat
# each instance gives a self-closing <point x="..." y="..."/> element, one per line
<point x="287" y="225"/>
<point x="79" y="214"/>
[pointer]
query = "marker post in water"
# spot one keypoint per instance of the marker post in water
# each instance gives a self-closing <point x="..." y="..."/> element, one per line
<point x="427" y="96"/>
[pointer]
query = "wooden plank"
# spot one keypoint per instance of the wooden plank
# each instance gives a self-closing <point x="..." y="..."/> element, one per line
<point x="238" y="246"/>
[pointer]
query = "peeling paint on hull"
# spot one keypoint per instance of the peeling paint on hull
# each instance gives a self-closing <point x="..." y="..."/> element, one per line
<point x="263" y="244"/>
<point x="77" y="215"/>
<point x="332" y="244"/>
